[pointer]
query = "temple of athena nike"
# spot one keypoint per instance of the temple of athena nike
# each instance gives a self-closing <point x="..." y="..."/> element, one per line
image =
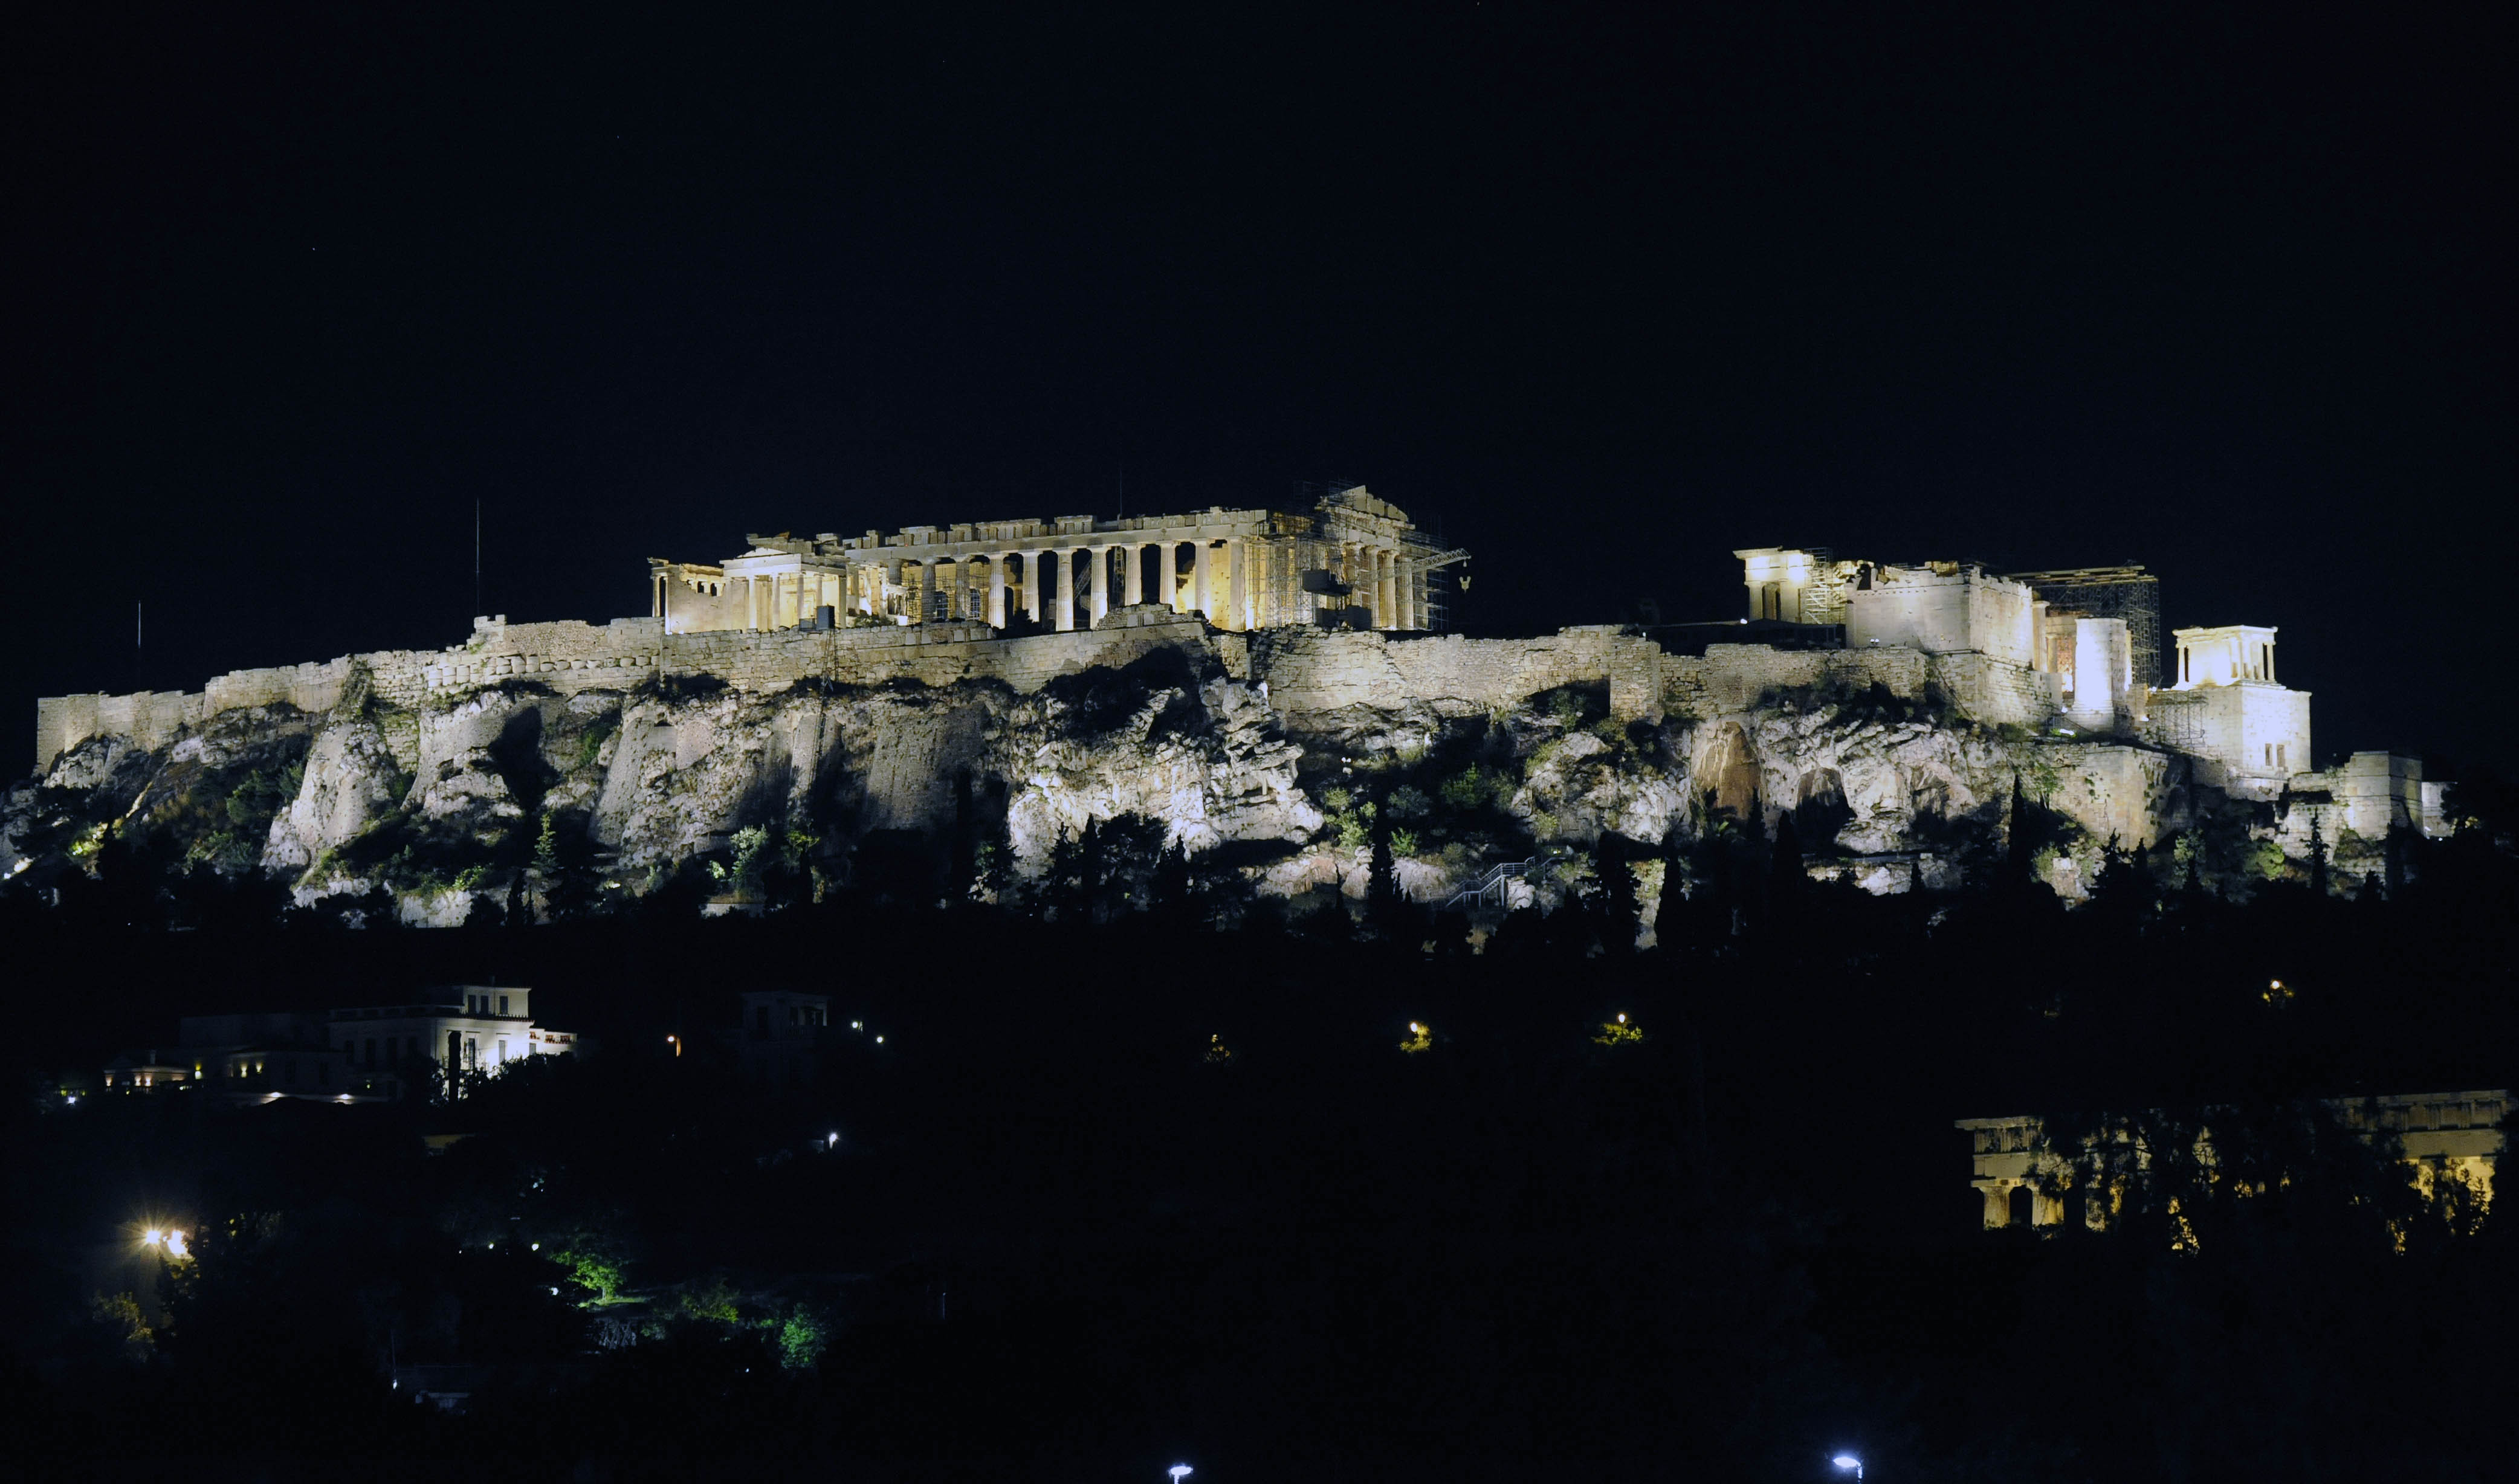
<point x="1352" y="561"/>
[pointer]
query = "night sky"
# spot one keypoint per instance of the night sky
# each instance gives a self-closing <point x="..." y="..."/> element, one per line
<point x="1602" y="294"/>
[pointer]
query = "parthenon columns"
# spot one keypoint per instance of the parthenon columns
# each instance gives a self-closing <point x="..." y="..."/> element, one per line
<point x="1101" y="583"/>
<point x="1202" y="570"/>
<point x="1386" y="603"/>
<point x="1132" y="582"/>
<point x="1063" y="601"/>
<point x="1168" y="586"/>
<point x="1238" y="591"/>
<point x="998" y="590"/>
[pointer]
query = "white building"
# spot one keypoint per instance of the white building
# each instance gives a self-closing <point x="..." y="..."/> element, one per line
<point x="2226" y="705"/>
<point x="349" y="1056"/>
<point x="458" y="1028"/>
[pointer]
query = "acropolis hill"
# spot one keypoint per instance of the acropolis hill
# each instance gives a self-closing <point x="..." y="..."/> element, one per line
<point x="1266" y="691"/>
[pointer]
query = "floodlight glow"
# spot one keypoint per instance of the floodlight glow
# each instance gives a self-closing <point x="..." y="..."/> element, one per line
<point x="1848" y="1461"/>
<point x="176" y="1247"/>
<point x="152" y="1237"/>
<point x="1180" y="1471"/>
<point x="833" y="1141"/>
<point x="1623" y="1018"/>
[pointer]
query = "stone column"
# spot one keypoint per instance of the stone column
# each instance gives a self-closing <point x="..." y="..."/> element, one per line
<point x="1132" y="582"/>
<point x="1403" y="588"/>
<point x="1065" y="598"/>
<point x="1169" y="586"/>
<point x="1237" y="603"/>
<point x="919" y="594"/>
<point x="1386" y="606"/>
<point x="1032" y="585"/>
<point x="998" y="590"/>
<point x="1202" y="577"/>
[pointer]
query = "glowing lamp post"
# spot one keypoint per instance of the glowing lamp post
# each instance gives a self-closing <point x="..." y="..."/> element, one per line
<point x="1179" y="1472"/>
<point x="1847" y="1461"/>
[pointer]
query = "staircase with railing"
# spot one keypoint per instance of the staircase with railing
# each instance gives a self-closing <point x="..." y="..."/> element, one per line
<point x="1490" y="884"/>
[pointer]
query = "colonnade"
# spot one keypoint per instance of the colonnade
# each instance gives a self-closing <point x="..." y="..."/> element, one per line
<point x="1230" y="580"/>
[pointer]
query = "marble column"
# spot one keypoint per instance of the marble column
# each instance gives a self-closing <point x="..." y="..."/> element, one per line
<point x="1063" y="601"/>
<point x="1132" y="582"/>
<point x="1101" y="583"/>
<point x="1032" y="585"/>
<point x="998" y="590"/>
<point x="1386" y="608"/>
<point x="1202" y="574"/>
<point x="1237" y="603"/>
<point x="919" y="595"/>
<point x="1168" y="586"/>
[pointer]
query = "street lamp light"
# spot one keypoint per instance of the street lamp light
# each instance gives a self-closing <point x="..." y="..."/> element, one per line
<point x="1180" y="1471"/>
<point x="1846" y="1461"/>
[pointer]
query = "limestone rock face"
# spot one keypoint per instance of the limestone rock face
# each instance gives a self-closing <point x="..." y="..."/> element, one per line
<point x="491" y="789"/>
<point x="351" y="782"/>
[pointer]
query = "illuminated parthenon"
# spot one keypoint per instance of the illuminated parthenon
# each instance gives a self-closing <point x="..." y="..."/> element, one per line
<point x="1352" y="561"/>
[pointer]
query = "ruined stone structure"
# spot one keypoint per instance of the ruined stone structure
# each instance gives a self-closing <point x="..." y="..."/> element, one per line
<point x="2027" y="1179"/>
<point x="853" y="680"/>
<point x="1351" y="561"/>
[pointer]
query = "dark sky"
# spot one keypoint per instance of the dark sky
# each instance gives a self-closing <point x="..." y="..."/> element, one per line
<point x="1606" y="293"/>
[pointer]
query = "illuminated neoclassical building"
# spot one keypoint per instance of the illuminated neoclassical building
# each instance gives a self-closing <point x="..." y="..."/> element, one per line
<point x="2025" y="1179"/>
<point x="1350" y="562"/>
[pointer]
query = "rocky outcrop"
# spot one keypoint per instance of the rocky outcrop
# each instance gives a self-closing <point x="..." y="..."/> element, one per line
<point x="1294" y="753"/>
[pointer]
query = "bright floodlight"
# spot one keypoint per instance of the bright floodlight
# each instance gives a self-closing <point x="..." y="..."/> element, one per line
<point x="175" y="1246"/>
<point x="153" y="1236"/>
<point x="1180" y="1471"/>
<point x="1848" y="1461"/>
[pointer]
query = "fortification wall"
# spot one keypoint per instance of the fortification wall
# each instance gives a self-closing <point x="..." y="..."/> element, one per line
<point x="1313" y="672"/>
<point x="2113" y="790"/>
<point x="1729" y="678"/>
<point x="1996" y="693"/>
<point x="1306" y="670"/>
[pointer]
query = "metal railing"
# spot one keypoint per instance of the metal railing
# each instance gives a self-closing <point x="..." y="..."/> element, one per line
<point x="1491" y="882"/>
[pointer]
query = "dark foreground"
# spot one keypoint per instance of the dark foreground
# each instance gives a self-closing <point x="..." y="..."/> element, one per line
<point x="1060" y="1237"/>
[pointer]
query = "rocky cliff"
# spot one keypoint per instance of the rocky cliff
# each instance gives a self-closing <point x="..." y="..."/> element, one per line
<point x="1276" y="768"/>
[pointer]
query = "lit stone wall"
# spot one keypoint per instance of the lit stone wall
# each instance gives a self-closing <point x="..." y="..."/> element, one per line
<point x="2255" y="733"/>
<point x="1733" y="678"/>
<point x="1311" y="672"/>
<point x="2102" y="676"/>
<point x="1996" y="693"/>
<point x="1944" y="613"/>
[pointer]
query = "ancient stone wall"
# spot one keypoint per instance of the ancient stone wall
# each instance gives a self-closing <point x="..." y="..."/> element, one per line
<point x="1733" y="678"/>
<point x="1314" y="672"/>
<point x="1998" y="694"/>
<point x="1308" y="673"/>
